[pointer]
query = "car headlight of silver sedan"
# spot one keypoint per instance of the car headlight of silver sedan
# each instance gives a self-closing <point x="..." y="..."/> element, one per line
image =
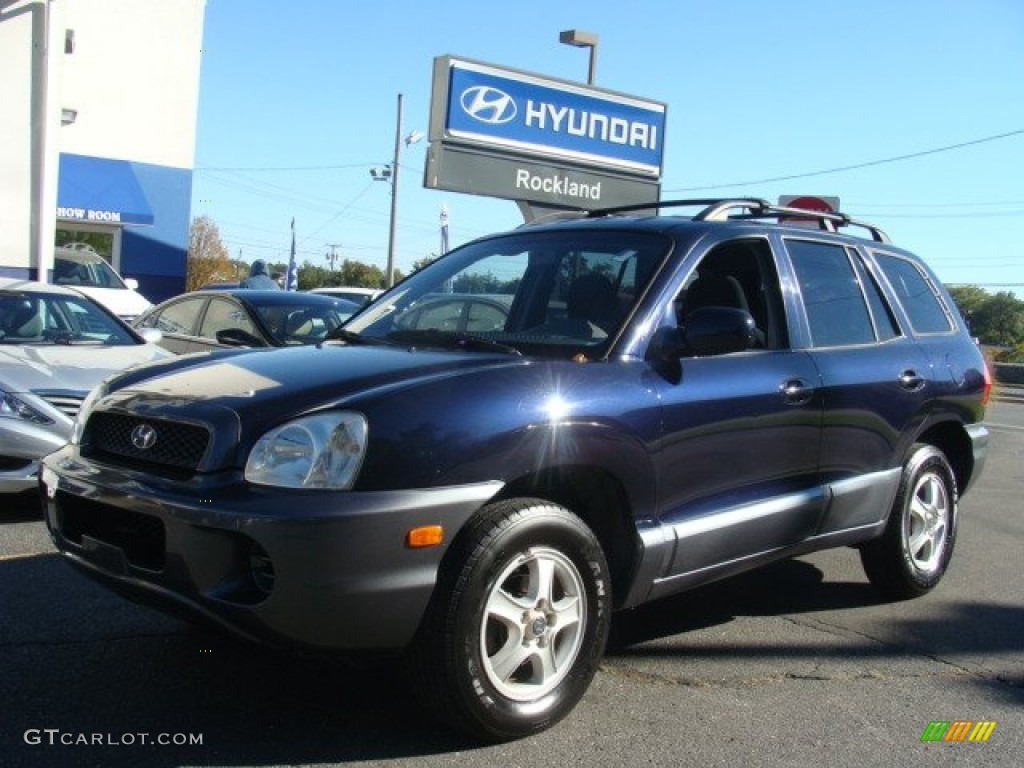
<point x="324" y="450"/>
<point x="13" y="407"/>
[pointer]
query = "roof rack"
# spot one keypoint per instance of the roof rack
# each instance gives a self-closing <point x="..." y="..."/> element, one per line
<point x="739" y="208"/>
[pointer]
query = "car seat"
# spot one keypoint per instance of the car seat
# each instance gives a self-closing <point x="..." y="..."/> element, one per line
<point x="591" y="298"/>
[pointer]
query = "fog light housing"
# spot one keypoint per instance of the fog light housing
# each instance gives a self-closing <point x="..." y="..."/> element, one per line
<point x="261" y="569"/>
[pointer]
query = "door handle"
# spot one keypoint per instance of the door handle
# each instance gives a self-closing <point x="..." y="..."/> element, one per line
<point x="911" y="381"/>
<point x="796" y="392"/>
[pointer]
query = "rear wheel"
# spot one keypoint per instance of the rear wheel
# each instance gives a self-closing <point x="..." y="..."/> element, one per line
<point x="518" y="622"/>
<point x="912" y="555"/>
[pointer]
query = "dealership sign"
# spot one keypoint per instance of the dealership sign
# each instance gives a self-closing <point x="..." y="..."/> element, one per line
<point x="569" y="143"/>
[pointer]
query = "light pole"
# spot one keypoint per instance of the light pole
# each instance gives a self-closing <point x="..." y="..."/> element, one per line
<point x="581" y="39"/>
<point x="390" y="174"/>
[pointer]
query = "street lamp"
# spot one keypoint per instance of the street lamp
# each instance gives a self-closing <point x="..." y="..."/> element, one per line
<point x="389" y="173"/>
<point x="581" y="39"/>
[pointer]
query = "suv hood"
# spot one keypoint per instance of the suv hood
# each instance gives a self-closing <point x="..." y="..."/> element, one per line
<point x="29" y="368"/>
<point x="266" y="386"/>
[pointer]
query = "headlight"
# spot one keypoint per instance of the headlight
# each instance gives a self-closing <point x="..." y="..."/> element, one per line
<point x="324" y="450"/>
<point x="12" y="407"/>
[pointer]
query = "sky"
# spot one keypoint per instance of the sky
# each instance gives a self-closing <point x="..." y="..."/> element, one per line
<point x="911" y="112"/>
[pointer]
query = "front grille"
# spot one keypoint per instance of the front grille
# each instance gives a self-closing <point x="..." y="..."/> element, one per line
<point x="178" y="446"/>
<point x="66" y="404"/>
<point x="140" y="537"/>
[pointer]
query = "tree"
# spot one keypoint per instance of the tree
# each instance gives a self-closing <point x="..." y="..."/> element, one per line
<point x="207" y="260"/>
<point x="968" y="299"/>
<point x="997" y="319"/>
<point x="421" y="263"/>
<point x="1000" y="320"/>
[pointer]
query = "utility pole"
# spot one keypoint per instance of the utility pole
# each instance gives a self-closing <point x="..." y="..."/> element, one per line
<point x="394" y="198"/>
<point x="333" y="255"/>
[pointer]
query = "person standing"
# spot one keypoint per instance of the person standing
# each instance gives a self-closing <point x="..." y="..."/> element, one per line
<point x="258" y="277"/>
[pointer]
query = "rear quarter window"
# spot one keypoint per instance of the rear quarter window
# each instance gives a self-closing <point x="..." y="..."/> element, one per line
<point x="916" y="292"/>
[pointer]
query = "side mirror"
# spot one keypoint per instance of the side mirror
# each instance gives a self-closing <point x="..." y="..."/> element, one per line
<point x="236" y="337"/>
<point x="131" y="283"/>
<point x="152" y="335"/>
<point x="719" y="330"/>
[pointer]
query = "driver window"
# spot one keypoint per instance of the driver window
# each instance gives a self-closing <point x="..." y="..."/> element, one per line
<point x="739" y="274"/>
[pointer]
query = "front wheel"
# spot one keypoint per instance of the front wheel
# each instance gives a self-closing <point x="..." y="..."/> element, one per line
<point x="518" y="622"/>
<point x="912" y="555"/>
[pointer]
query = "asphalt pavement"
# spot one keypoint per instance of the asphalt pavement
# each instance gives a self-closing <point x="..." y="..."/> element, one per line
<point x="799" y="664"/>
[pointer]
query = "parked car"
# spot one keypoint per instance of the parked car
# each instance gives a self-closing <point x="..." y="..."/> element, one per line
<point x="359" y="296"/>
<point x="670" y="400"/>
<point x="220" y="286"/>
<point x="79" y="266"/>
<point x="205" y="320"/>
<point x="55" y="345"/>
<point x="466" y="312"/>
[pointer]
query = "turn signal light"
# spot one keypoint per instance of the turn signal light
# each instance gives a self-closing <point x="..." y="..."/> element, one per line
<point x="425" y="536"/>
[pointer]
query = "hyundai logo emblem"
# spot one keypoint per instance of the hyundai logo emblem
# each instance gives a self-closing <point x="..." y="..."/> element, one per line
<point x="143" y="437"/>
<point x="488" y="105"/>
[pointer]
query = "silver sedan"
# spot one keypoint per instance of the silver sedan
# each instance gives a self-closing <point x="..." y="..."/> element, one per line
<point x="55" y="345"/>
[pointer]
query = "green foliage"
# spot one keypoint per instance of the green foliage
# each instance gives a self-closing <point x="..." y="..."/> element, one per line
<point x="351" y="273"/>
<point x="1012" y="355"/>
<point x="995" y="319"/>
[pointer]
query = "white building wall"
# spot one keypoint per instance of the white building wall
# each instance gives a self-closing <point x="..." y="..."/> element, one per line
<point x="23" y="176"/>
<point x="133" y="79"/>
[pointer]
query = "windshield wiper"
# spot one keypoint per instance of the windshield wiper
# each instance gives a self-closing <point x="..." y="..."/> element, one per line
<point x="433" y="337"/>
<point x="68" y="338"/>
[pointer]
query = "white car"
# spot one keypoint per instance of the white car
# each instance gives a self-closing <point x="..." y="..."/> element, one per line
<point x="55" y="346"/>
<point x="80" y="267"/>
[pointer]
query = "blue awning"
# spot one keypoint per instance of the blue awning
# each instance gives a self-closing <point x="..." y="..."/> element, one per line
<point x="100" y="190"/>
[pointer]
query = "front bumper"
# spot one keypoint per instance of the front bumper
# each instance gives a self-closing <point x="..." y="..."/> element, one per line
<point x="21" y="446"/>
<point x="326" y="570"/>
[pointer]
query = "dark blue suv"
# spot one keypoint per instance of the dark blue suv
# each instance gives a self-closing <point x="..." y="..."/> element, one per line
<point x="536" y="430"/>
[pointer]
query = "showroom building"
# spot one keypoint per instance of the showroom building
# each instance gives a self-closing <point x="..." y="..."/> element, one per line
<point x="99" y="120"/>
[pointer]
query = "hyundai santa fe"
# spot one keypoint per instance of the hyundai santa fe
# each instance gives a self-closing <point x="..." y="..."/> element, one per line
<point x="661" y="401"/>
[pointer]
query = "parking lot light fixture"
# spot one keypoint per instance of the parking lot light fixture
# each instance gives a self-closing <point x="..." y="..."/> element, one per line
<point x="581" y="39"/>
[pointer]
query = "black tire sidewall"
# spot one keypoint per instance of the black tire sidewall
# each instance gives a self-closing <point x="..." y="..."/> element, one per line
<point x="541" y="526"/>
<point x="926" y="460"/>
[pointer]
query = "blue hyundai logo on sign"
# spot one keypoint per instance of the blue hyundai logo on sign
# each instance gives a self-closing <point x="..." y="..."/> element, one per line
<point x="488" y="105"/>
<point x="553" y="119"/>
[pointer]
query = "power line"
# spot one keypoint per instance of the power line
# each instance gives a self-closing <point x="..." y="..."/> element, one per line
<point x="855" y="166"/>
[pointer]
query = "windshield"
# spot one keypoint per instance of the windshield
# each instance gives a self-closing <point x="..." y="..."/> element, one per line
<point x="39" y="318"/>
<point x="90" y="272"/>
<point x="560" y="292"/>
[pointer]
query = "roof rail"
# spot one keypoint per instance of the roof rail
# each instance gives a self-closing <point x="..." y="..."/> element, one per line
<point x="703" y="202"/>
<point x="738" y="208"/>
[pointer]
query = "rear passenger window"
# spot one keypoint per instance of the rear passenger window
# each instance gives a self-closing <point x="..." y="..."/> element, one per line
<point x="885" y="324"/>
<point x="223" y="315"/>
<point x="917" y="294"/>
<point x="837" y="312"/>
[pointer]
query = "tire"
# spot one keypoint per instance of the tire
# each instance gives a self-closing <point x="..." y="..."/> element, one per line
<point x="910" y="558"/>
<point x="518" y="622"/>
